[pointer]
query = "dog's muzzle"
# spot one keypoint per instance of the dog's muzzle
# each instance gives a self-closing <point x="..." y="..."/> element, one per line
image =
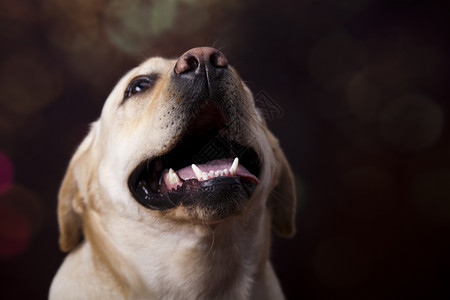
<point x="206" y="168"/>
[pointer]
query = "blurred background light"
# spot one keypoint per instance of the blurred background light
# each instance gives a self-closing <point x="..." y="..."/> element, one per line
<point x="163" y="14"/>
<point x="421" y="62"/>
<point x="372" y="88"/>
<point x="137" y="24"/>
<point x="28" y="82"/>
<point x="20" y="216"/>
<point x="334" y="59"/>
<point x="25" y="11"/>
<point x="128" y="24"/>
<point x="6" y="172"/>
<point x="11" y="122"/>
<point x="411" y="122"/>
<point x="77" y="32"/>
<point x="14" y="231"/>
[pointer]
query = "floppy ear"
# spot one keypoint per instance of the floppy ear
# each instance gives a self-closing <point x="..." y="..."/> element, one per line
<point x="282" y="199"/>
<point x="70" y="199"/>
<point x="69" y="220"/>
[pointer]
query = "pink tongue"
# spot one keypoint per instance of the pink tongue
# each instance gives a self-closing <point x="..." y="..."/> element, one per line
<point x="217" y="165"/>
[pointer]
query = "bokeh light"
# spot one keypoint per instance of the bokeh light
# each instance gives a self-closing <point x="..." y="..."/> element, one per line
<point x="128" y="25"/>
<point x="163" y="14"/>
<point x="411" y="122"/>
<point x="28" y="83"/>
<point x="25" y="11"/>
<point x="20" y="215"/>
<point x="372" y="88"/>
<point x="78" y="31"/>
<point x="11" y="122"/>
<point x="15" y="231"/>
<point x="334" y="59"/>
<point x="422" y="63"/>
<point x="134" y="25"/>
<point x="6" y="172"/>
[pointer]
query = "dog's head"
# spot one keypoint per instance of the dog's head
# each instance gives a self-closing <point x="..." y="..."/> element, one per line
<point x="180" y="140"/>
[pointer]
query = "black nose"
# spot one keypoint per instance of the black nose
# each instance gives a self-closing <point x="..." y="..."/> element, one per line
<point x="200" y="60"/>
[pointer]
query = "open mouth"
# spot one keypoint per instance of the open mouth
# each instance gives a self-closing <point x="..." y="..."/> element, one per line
<point x="204" y="167"/>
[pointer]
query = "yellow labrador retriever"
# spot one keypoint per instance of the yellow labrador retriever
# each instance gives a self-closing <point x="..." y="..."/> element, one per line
<point x="173" y="193"/>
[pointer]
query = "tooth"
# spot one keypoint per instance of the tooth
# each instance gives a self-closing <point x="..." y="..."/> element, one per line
<point x="205" y="176"/>
<point x="234" y="167"/>
<point x="217" y="173"/>
<point x="197" y="171"/>
<point x="211" y="174"/>
<point x="225" y="172"/>
<point x="173" y="177"/>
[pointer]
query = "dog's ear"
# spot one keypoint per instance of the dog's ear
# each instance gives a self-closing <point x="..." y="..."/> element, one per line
<point x="282" y="199"/>
<point x="69" y="220"/>
<point x="70" y="197"/>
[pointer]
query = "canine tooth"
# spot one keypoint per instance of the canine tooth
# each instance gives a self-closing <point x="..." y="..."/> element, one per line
<point x="225" y="172"/>
<point x="234" y="166"/>
<point x="197" y="171"/>
<point x="173" y="177"/>
<point x="205" y="176"/>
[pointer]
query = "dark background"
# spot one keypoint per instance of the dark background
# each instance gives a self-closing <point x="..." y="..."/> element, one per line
<point x="361" y="91"/>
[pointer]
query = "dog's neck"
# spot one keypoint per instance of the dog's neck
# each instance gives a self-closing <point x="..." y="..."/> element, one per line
<point x="231" y="257"/>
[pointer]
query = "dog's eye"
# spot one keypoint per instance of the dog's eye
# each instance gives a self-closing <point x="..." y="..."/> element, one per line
<point x="139" y="85"/>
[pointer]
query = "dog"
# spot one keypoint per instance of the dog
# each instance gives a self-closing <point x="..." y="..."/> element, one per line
<point x="175" y="190"/>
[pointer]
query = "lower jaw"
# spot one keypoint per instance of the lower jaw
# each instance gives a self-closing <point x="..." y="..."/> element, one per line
<point x="216" y="198"/>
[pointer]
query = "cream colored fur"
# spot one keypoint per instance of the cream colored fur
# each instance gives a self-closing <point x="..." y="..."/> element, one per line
<point x="121" y="250"/>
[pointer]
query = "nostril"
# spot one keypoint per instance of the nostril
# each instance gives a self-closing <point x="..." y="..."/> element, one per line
<point x="192" y="62"/>
<point x="218" y="60"/>
<point x="186" y="63"/>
